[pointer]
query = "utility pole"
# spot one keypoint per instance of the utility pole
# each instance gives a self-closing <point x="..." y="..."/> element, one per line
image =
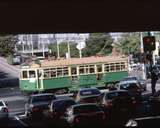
<point x="68" y="44"/>
<point x="58" y="55"/>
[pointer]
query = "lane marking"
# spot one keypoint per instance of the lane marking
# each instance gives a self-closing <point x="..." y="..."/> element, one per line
<point x="21" y="122"/>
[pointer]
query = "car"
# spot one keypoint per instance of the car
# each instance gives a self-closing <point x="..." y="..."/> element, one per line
<point x="37" y="103"/>
<point x="88" y="95"/>
<point x="142" y="82"/>
<point x="132" y="86"/>
<point x="4" y="113"/>
<point x="118" y="101"/>
<point x="143" y="122"/>
<point x="58" y="107"/>
<point x="85" y="114"/>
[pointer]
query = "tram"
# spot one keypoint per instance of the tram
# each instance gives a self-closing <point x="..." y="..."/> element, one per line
<point x="73" y="73"/>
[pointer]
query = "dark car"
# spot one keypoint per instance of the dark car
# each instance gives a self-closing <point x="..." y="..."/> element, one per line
<point x="85" y="114"/>
<point x="119" y="106"/>
<point x="132" y="87"/>
<point x="88" y="95"/>
<point x="118" y="101"/>
<point x="142" y="82"/>
<point x="144" y="122"/>
<point x="58" y="107"/>
<point x="37" y="103"/>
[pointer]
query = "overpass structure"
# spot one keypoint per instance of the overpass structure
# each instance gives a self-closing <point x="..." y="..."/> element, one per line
<point x="40" y="53"/>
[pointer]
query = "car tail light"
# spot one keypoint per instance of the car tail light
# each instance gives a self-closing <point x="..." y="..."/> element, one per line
<point x="109" y="103"/>
<point x="5" y="109"/>
<point x="77" y="120"/>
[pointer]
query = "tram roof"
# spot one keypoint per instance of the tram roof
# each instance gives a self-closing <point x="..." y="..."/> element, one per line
<point x="79" y="61"/>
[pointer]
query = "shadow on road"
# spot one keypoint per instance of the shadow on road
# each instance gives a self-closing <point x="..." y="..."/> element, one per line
<point x="9" y="82"/>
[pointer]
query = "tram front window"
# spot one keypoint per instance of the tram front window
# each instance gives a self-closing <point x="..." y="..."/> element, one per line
<point x="32" y="74"/>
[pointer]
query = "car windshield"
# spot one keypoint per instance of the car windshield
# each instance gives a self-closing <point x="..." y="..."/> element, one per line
<point x="86" y="109"/>
<point x="45" y="98"/>
<point x="90" y="92"/>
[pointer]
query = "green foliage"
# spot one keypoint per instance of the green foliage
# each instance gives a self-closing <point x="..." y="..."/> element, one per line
<point x="63" y="49"/>
<point x="98" y="43"/>
<point x="7" y="44"/>
<point x="129" y="43"/>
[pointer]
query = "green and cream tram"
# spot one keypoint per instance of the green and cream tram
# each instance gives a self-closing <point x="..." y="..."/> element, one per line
<point x="72" y="74"/>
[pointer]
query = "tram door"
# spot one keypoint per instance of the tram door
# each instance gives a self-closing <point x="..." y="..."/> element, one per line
<point x="39" y="79"/>
<point x="32" y="77"/>
<point x="74" y="77"/>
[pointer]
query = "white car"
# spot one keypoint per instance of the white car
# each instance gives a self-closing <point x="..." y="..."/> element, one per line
<point x="3" y="110"/>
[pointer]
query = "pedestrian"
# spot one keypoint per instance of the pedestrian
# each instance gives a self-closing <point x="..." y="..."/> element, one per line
<point x="154" y="78"/>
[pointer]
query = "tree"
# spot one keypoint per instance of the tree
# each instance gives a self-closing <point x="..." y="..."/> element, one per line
<point x="98" y="43"/>
<point x="129" y="43"/>
<point x="63" y="49"/>
<point x="7" y="44"/>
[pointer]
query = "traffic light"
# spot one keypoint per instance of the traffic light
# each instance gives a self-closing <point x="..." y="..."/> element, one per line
<point x="149" y="43"/>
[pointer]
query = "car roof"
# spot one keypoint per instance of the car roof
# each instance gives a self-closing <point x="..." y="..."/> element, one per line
<point x="128" y="82"/>
<point x="116" y="91"/>
<point x="131" y="77"/>
<point x="65" y="99"/>
<point x="84" y="104"/>
<point x="42" y="94"/>
<point x="92" y="88"/>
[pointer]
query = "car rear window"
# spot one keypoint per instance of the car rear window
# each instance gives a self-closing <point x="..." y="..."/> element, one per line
<point x="117" y="94"/>
<point x="43" y="98"/>
<point x="128" y="86"/>
<point x="86" y="109"/>
<point x="61" y="104"/>
<point x="90" y="92"/>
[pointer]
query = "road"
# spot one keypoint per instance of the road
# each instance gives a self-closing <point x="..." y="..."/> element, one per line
<point x="8" y="74"/>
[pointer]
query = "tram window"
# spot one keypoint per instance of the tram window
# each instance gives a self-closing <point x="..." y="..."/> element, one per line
<point x="112" y="67"/>
<point x="24" y="74"/>
<point x="59" y="72"/>
<point x="32" y="74"/>
<point x="81" y="70"/>
<point x="65" y="71"/>
<point x="118" y="68"/>
<point x="73" y="70"/>
<point x="107" y="67"/>
<point x="53" y="73"/>
<point x="47" y="73"/>
<point x="122" y="65"/>
<point x="91" y="69"/>
<point x="99" y="68"/>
